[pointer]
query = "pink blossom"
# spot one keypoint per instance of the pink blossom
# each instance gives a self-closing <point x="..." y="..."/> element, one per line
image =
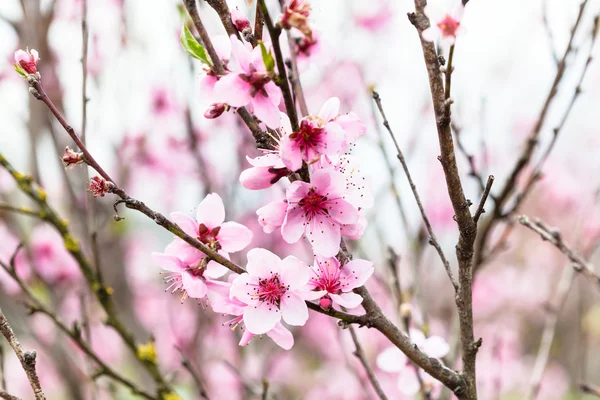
<point x="295" y="15"/>
<point x="444" y="25"/>
<point x="338" y="281"/>
<point x="163" y="102"/>
<point x="99" y="186"/>
<point x="27" y="60"/>
<point x="249" y="83"/>
<point x="240" y="21"/>
<point x="273" y="289"/>
<point x="71" y="158"/>
<point x="210" y="229"/>
<point x="208" y="78"/>
<point x="393" y="360"/>
<point x="265" y="171"/>
<point x="374" y="18"/>
<point x="271" y="216"/>
<point x="50" y="258"/>
<point x="318" y="210"/>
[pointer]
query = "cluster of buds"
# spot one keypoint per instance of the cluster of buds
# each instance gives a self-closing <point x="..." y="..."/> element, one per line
<point x="295" y="15"/>
<point x="241" y="24"/>
<point x="26" y="62"/>
<point x="100" y="186"/>
<point x="71" y="158"/>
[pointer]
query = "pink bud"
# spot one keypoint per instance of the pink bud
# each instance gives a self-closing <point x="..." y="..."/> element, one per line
<point x="296" y="15"/>
<point x="240" y="21"/>
<point x="27" y="60"/>
<point x="215" y="110"/>
<point x="325" y="303"/>
<point x="71" y="158"/>
<point x="99" y="186"/>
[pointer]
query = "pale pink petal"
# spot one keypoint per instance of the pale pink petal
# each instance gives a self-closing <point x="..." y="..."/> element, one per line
<point x="21" y="55"/>
<point x="457" y="12"/>
<point x="294" y="272"/>
<point x="297" y="191"/>
<point x="324" y="236"/>
<point x="348" y="300"/>
<point x="417" y="337"/>
<point x="246" y="338"/>
<point x="344" y="212"/>
<point x="240" y="289"/>
<point x="232" y="90"/>
<point x="293" y="309"/>
<point x="281" y="336"/>
<point x="408" y="383"/>
<point x="391" y="360"/>
<point x="187" y="224"/>
<point x="334" y="140"/>
<point x="290" y="153"/>
<point x="222" y="46"/>
<point x="355" y="231"/>
<point x="330" y="109"/>
<point x="272" y="215"/>
<point x="268" y="160"/>
<point x="261" y="318"/>
<point x="355" y="273"/>
<point x="194" y="286"/>
<point x="293" y="225"/>
<point x="266" y="111"/>
<point x="241" y="53"/>
<point x="321" y="179"/>
<point x="36" y="56"/>
<point x="214" y="269"/>
<point x="312" y="295"/>
<point x="256" y="178"/>
<point x="186" y="253"/>
<point x="436" y="347"/>
<point x="431" y="34"/>
<point x="275" y="95"/>
<point x="168" y="262"/>
<point x="234" y="237"/>
<point x="286" y="125"/>
<point x="262" y="263"/>
<point x="211" y="211"/>
<point x="352" y="126"/>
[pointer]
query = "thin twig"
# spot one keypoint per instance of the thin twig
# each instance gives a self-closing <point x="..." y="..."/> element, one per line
<point x="432" y="238"/>
<point x="590" y="389"/>
<point x="360" y="354"/>
<point x="7" y="396"/>
<point x="473" y="172"/>
<point x="549" y="34"/>
<point x="553" y="236"/>
<point x="2" y="375"/>
<point x="484" y="196"/>
<point x="186" y="363"/>
<point x="27" y="358"/>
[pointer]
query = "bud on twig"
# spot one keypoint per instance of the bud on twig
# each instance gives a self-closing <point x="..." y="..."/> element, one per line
<point x="99" y="186"/>
<point x="71" y="158"/>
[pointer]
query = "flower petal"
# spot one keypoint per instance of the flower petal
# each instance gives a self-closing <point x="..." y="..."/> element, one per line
<point x="234" y="237"/>
<point x="293" y="309"/>
<point x="330" y="109"/>
<point x="281" y="336"/>
<point x="262" y="263"/>
<point x="436" y="347"/>
<point x="168" y="262"/>
<point x="348" y="300"/>
<point x="266" y="110"/>
<point x="355" y="273"/>
<point x="343" y="212"/>
<point x="391" y="360"/>
<point x="293" y="225"/>
<point x="261" y="318"/>
<point x="186" y="253"/>
<point x="294" y="272"/>
<point x="187" y="224"/>
<point x="231" y="89"/>
<point x="324" y="236"/>
<point x="211" y="211"/>
<point x="194" y="286"/>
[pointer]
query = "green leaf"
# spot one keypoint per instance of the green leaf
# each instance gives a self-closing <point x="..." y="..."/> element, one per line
<point x="20" y="70"/>
<point x="192" y="47"/>
<point x="267" y="57"/>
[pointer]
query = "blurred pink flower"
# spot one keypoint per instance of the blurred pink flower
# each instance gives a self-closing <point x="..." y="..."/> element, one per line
<point x="27" y="60"/>
<point x="337" y="282"/>
<point x="444" y="25"/>
<point x="272" y="289"/>
<point x="375" y="18"/>
<point x="249" y="83"/>
<point x="318" y="210"/>
<point x="163" y="102"/>
<point x="50" y="258"/>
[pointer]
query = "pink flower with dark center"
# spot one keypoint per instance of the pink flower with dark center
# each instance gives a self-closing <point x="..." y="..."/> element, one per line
<point x="444" y="25"/>
<point x="100" y="186"/>
<point x="249" y="83"/>
<point x="27" y="60"/>
<point x="71" y="158"/>
<point x="337" y="282"/>
<point x="318" y="210"/>
<point x="209" y="228"/>
<point x="273" y="289"/>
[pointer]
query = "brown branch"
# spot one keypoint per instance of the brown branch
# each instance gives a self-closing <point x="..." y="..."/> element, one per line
<point x="473" y="172"/>
<point x="7" y="396"/>
<point x="188" y="366"/>
<point x="486" y="191"/>
<point x="466" y="225"/>
<point x="360" y="354"/>
<point x="432" y="238"/>
<point x="26" y="358"/>
<point x="553" y="236"/>
<point x="590" y="389"/>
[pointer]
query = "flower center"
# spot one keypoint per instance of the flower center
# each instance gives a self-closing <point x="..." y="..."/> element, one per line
<point x="448" y="26"/>
<point x="328" y="279"/>
<point x="314" y="204"/>
<point x="209" y="236"/>
<point x="271" y="290"/>
<point x="310" y="135"/>
<point x="257" y="81"/>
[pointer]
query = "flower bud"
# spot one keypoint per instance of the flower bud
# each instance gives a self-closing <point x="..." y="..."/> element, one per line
<point x="71" y="158"/>
<point x="215" y="110"/>
<point x="99" y="186"/>
<point x="296" y="15"/>
<point x="240" y="21"/>
<point x="325" y="303"/>
<point x="27" y="60"/>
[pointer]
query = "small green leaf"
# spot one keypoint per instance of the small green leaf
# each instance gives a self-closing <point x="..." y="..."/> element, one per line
<point x="20" y="70"/>
<point x="192" y="47"/>
<point x="267" y="57"/>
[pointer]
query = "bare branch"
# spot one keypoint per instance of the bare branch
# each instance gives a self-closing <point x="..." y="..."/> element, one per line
<point x="484" y="196"/>
<point x="360" y="354"/>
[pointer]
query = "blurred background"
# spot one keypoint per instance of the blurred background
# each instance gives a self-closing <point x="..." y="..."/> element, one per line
<point x="145" y="125"/>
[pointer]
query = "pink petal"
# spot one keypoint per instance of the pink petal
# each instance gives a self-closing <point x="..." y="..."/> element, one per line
<point x="294" y="272"/>
<point x="211" y="211"/>
<point x="268" y="160"/>
<point x="355" y="231"/>
<point x="21" y="55"/>
<point x="324" y="236"/>
<point x="417" y="337"/>
<point x="293" y="309"/>
<point x="186" y="253"/>
<point x="343" y="212"/>
<point x="355" y="273"/>
<point x="408" y="383"/>
<point x="262" y="263"/>
<point x="256" y="178"/>
<point x="214" y="269"/>
<point x="281" y="336"/>
<point x="168" y="262"/>
<point x="187" y="224"/>
<point x="272" y="215"/>
<point x="232" y="90"/>
<point x="330" y="109"/>
<point x="241" y="53"/>
<point x="431" y="34"/>
<point x="352" y="126"/>
<point x="290" y="153"/>
<point x="194" y="286"/>
<point x="266" y="111"/>
<point x="36" y="56"/>
<point x="275" y="96"/>
<point x="391" y="360"/>
<point x="234" y="237"/>
<point x="311" y="294"/>
<point x="246" y="338"/>
<point x="436" y="347"/>
<point x="261" y="318"/>
<point x="222" y="46"/>
<point x="334" y="140"/>
<point x="286" y="125"/>
<point x="293" y="225"/>
<point x="240" y="289"/>
<point x="297" y="191"/>
<point x="348" y="300"/>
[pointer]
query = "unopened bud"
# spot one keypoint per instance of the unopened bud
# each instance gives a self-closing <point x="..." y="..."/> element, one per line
<point x="215" y="110"/>
<point x="295" y="15"/>
<point x="100" y="186"/>
<point x="27" y="60"/>
<point x="71" y="158"/>
<point x="405" y="311"/>
<point x="325" y="303"/>
<point x="240" y="21"/>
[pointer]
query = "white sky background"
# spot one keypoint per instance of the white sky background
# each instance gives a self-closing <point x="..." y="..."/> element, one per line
<point x="503" y="72"/>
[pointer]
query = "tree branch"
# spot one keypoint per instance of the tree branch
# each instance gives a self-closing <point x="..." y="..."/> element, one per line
<point x="360" y="354"/>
